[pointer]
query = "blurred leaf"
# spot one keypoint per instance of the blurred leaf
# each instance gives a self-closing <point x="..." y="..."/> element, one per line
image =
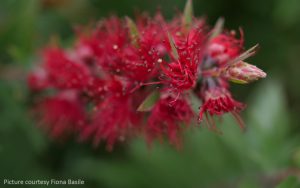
<point x="289" y="182"/>
<point x="268" y="119"/>
<point x="188" y="14"/>
<point x="173" y="47"/>
<point x="133" y="30"/>
<point x="267" y="110"/>
<point x="287" y="12"/>
<point x="149" y="102"/>
<point x="20" y="141"/>
<point x="296" y="157"/>
<point x="24" y="28"/>
<point x="248" y="53"/>
<point x="218" y="28"/>
<point x="248" y="183"/>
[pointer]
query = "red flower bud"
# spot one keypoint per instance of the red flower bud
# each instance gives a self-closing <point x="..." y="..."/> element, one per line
<point x="243" y="73"/>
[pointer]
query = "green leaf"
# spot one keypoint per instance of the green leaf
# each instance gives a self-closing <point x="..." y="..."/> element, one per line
<point x="218" y="28"/>
<point x="238" y="81"/>
<point x="296" y="157"/>
<point x="289" y="182"/>
<point x="133" y="30"/>
<point x="173" y="47"/>
<point x="250" y="52"/>
<point x="287" y="12"/>
<point x="149" y="102"/>
<point x="188" y="14"/>
<point x="268" y="122"/>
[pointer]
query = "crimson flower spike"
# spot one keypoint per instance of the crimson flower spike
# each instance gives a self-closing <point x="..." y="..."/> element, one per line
<point x="128" y="77"/>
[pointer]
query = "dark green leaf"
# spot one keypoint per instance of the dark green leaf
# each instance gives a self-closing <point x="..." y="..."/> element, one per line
<point x="149" y="102"/>
<point x="218" y="28"/>
<point x="133" y="30"/>
<point x="188" y="14"/>
<point x="174" y="49"/>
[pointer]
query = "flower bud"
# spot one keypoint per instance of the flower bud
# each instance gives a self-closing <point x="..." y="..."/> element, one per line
<point x="243" y="73"/>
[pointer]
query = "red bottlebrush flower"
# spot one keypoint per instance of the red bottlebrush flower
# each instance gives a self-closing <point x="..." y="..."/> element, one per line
<point x="61" y="114"/>
<point x="95" y="89"/>
<point x="142" y="56"/>
<point x="182" y="73"/>
<point x="217" y="101"/>
<point x="139" y="57"/>
<point x="168" y="118"/>
<point x="150" y="33"/>
<point x="112" y="67"/>
<point x="38" y="79"/>
<point x="102" y="44"/>
<point x="225" y="47"/>
<point x="113" y="119"/>
<point x="87" y="49"/>
<point x="112" y="47"/>
<point x="64" y="73"/>
<point x="139" y="64"/>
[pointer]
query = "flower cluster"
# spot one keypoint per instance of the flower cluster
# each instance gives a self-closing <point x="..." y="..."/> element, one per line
<point x="124" y="78"/>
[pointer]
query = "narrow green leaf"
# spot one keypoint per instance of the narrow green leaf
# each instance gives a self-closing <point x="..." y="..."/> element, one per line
<point x="238" y="81"/>
<point x="174" y="49"/>
<point x="250" y="52"/>
<point x="218" y="28"/>
<point x="149" y="102"/>
<point x="133" y="30"/>
<point x="188" y="14"/>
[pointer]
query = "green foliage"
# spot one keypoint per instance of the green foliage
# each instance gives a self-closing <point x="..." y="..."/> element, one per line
<point x="173" y="47"/>
<point x="188" y="14"/>
<point x="149" y="102"/>
<point x="134" y="32"/>
<point x="289" y="182"/>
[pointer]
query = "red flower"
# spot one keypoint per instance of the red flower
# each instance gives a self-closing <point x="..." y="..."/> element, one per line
<point x="38" y="79"/>
<point x="113" y="119"/>
<point x="225" y="47"/>
<point x="217" y="101"/>
<point x="95" y="89"/>
<point x="63" y="72"/>
<point x="98" y="86"/>
<point x="182" y="72"/>
<point x="112" y="36"/>
<point x="112" y="48"/>
<point x="61" y="114"/>
<point x="139" y="64"/>
<point x="169" y="118"/>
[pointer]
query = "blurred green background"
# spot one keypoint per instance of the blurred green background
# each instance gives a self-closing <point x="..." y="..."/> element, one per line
<point x="266" y="155"/>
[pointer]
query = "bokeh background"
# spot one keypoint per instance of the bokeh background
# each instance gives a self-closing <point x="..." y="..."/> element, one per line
<point x="266" y="155"/>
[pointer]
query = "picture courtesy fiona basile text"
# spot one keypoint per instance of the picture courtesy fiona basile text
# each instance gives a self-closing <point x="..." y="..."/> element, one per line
<point x="45" y="182"/>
